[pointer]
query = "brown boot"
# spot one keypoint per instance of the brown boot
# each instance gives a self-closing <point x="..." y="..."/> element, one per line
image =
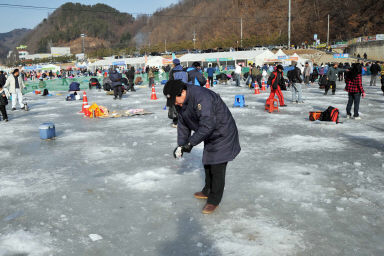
<point x="209" y="208"/>
<point x="200" y="195"/>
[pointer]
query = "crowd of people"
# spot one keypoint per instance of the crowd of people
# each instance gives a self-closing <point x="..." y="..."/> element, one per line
<point x="293" y="78"/>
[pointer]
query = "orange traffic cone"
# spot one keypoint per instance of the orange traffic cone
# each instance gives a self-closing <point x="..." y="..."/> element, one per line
<point x="257" y="91"/>
<point x="263" y="86"/>
<point x="85" y="102"/>
<point x="207" y="84"/>
<point x="153" y="95"/>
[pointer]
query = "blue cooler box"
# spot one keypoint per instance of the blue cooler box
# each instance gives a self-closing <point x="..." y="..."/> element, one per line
<point x="47" y="131"/>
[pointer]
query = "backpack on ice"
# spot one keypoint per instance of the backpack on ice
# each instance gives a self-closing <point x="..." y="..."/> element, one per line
<point x="313" y="116"/>
<point x="330" y="115"/>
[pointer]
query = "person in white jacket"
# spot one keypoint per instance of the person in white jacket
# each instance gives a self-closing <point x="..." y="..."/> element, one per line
<point x="15" y="86"/>
<point x="238" y="69"/>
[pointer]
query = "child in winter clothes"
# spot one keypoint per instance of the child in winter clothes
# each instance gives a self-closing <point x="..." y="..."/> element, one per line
<point x="4" y="95"/>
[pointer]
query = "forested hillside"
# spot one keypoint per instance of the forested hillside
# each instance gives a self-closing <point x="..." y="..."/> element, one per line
<point x="216" y="23"/>
<point x="101" y="23"/>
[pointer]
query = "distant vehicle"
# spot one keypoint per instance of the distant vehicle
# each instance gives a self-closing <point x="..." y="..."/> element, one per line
<point x="155" y="54"/>
<point x="259" y="48"/>
<point x="181" y="52"/>
<point x="281" y="46"/>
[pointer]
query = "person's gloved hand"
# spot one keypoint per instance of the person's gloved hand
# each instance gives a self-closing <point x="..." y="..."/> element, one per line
<point x="179" y="151"/>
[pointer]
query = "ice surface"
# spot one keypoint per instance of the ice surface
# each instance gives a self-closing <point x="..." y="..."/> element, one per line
<point x="297" y="187"/>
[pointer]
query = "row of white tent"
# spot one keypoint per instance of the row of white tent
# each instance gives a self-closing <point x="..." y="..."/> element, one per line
<point x="259" y="57"/>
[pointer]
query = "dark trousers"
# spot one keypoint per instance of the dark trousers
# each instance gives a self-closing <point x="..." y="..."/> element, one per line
<point x="214" y="182"/>
<point x="329" y="84"/>
<point x="3" y="112"/>
<point x="117" y="91"/>
<point x="131" y="87"/>
<point x="210" y="78"/>
<point x="151" y="82"/>
<point x="382" y="83"/>
<point x="258" y="80"/>
<point x="353" y="98"/>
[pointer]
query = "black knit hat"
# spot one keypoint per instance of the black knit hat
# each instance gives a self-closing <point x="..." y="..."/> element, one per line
<point x="172" y="89"/>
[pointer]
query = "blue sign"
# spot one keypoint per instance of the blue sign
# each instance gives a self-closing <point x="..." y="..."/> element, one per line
<point x="118" y="63"/>
<point x="32" y="67"/>
<point x="283" y="57"/>
<point x="341" y="55"/>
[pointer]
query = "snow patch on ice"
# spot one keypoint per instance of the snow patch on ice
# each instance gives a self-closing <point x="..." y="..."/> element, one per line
<point x="25" y="243"/>
<point x="256" y="129"/>
<point x="71" y="136"/>
<point x="298" y="143"/>
<point x="150" y="180"/>
<point x="249" y="236"/>
<point x="37" y="182"/>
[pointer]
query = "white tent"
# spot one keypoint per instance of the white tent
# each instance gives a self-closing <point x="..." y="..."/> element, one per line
<point x="263" y="57"/>
<point x="279" y="53"/>
<point x="300" y="59"/>
<point x="226" y="57"/>
<point x="155" y="61"/>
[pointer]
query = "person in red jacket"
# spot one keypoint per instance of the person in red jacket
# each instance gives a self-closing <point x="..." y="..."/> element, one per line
<point x="275" y="80"/>
<point x="355" y="90"/>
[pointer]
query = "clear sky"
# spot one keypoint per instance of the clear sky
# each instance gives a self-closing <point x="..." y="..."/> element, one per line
<point x="12" y="18"/>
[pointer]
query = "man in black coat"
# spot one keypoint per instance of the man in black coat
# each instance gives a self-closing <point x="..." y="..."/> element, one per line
<point x="3" y="79"/>
<point x="116" y="84"/>
<point x="131" y="78"/>
<point x="195" y="76"/>
<point x="375" y="69"/>
<point x="205" y="113"/>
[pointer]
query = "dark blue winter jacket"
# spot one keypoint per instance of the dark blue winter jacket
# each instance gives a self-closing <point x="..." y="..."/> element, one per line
<point x="74" y="86"/>
<point x="205" y="113"/>
<point x="115" y="78"/>
<point x="178" y="73"/>
<point x="196" y="77"/>
<point x="210" y="72"/>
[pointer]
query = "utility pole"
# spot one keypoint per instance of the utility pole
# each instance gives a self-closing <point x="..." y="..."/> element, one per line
<point x="194" y="39"/>
<point x="165" y="45"/>
<point x="82" y="37"/>
<point x="328" y="33"/>
<point x="241" y="32"/>
<point x="289" y="24"/>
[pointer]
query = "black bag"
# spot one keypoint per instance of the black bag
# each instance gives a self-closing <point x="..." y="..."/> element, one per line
<point x="330" y="115"/>
<point x="323" y="80"/>
<point x="45" y="93"/>
<point x="3" y="99"/>
<point x="290" y="75"/>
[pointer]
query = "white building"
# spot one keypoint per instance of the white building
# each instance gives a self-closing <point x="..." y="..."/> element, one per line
<point x="23" y="55"/>
<point x="60" y="51"/>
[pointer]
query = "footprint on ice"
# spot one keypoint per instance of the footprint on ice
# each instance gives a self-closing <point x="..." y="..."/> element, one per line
<point x="95" y="237"/>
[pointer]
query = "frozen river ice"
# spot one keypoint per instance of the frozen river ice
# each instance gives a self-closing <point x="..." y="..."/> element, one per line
<point x="112" y="187"/>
